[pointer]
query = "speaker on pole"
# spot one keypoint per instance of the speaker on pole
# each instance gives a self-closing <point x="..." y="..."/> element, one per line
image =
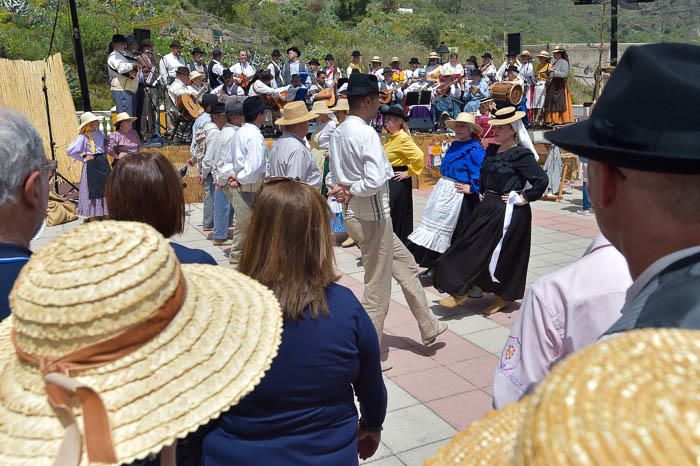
<point x="515" y="45"/>
<point x="141" y="34"/>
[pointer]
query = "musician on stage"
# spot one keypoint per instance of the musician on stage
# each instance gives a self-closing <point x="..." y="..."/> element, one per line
<point x="488" y="70"/>
<point x="216" y="68"/>
<point x="470" y="66"/>
<point x="149" y="124"/>
<point x="376" y="68"/>
<point x="293" y="65"/>
<point x="332" y="72"/>
<point x="133" y="54"/>
<point x="319" y="85"/>
<point x="229" y="87"/>
<point x="275" y="69"/>
<point x="513" y="74"/>
<point x="542" y="76"/>
<point x="511" y="60"/>
<point x="170" y="63"/>
<point x="527" y="76"/>
<point x="389" y="85"/>
<point x="447" y="99"/>
<point x="453" y="67"/>
<point x="197" y="84"/>
<point x="314" y="67"/>
<point x="197" y="64"/>
<point x="178" y="87"/>
<point x="355" y="63"/>
<point x="411" y="74"/>
<point x="557" y="104"/>
<point x="261" y="86"/>
<point x="242" y="70"/>
<point x="420" y="83"/>
<point x="477" y="89"/>
<point x="399" y="74"/>
<point x="433" y="67"/>
<point x="122" y="86"/>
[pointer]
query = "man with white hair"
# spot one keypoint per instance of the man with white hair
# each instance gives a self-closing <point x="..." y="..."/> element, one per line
<point x="24" y="196"/>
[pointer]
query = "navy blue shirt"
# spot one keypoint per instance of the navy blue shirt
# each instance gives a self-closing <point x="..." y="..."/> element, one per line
<point x="192" y="256"/>
<point x="462" y="162"/>
<point x="12" y="259"/>
<point x="303" y="411"/>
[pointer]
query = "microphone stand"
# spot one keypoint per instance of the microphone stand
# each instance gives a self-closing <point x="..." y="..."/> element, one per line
<point x="52" y="143"/>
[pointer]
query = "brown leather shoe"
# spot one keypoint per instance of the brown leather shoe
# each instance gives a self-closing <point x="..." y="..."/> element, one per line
<point x="453" y="301"/>
<point x="498" y="304"/>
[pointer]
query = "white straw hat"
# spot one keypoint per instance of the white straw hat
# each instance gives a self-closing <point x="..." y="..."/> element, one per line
<point x="124" y="116"/>
<point x="465" y="117"/>
<point x="196" y="74"/>
<point x="341" y="106"/>
<point x="86" y="118"/>
<point x="295" y="112"/>
<point x="100" y="283"/>
<point x="506" y="116"/>
<point x="320" y="107"/>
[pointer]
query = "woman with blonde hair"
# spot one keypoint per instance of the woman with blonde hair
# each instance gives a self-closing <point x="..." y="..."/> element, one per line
<point x="303" y="411"/>
<point x="89" y="149"/>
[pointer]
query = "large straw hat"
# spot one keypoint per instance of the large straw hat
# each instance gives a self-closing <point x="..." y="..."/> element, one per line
<point x="295" y="112"/>
<point x="505" y="116"/>
<point x="123" y="116"/>
<point x="627" y="400"/>
<point x="465" y="117"/>
<point x="543" y="54"/>
<point x="433" y="55"/>
<point x="525" y="53"/>
<point x="87" y="118"/>
<point x="195" y="74"/>
<point x="376" y="59"/>
<point x="219" y="331"/>
<point x="341" y="106"/>
<point x="558" y="48"/>
<point x="320" y="107"/>
<point x="489" y="441"/>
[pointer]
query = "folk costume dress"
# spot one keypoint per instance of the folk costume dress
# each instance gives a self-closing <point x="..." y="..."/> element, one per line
<point x="557" y="103"/>
<point x="540" y="93"/>
<point x="447" y="213"/>
<point x="91" y="198"/>
<point x="122" y="142"/>
<point x="404" y="156"/>
<point x="479" y="256"/>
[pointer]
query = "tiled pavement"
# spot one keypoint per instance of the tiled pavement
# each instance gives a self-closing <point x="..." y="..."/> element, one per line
<point x="436" y="391"/>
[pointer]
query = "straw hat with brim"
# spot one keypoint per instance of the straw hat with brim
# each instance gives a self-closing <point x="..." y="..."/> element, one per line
<point x="630" y="399"/>
<point x="464" y="117"/>
<point x="123" y="116"/>
<point x="216" y="334"/>
<point x="489" y="441"/>
<point x="505" y="116"/>
<point x="376" y="59"/>
<point x="433" y="55"/>
<point x="525" y="53"/>
<point x="196" y="74"/>
<point x="341" y="106"/>
<point x="543" y="54"/>
<point x="87" y="118"/>
<point x="321" y="108"/>
<point x="295" y="112"/>
<point x="558" y="49"/>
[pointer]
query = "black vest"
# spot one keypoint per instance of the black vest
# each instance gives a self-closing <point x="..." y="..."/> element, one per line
<point x="214" y="79"/>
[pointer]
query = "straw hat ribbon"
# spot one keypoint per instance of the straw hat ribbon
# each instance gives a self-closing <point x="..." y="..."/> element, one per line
<point x="87" y="118"/>
<point x="295" y="112"/>
<point x="123" y="116"/>
<point x="376" y="59"/>
<point x="149" y="348"/>
<point x="465" y="117"/>
<point x="320" y="107"/>
<point x="506" y="116"/>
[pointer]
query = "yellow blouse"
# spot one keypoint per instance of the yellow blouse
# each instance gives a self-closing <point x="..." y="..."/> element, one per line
<point x="541" y="71"/>
<point x="401" y="150"/>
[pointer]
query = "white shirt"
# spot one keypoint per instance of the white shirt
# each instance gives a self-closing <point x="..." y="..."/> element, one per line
<point x="246" y="157"/>
<point x="527" y="74"/>
<point x="418" y="86"/>
<point x="211" y="134"/>
<point x="357" y="160"/>
<point x="324" y="138"/>
<point x="260" y="88"/>
<point x="290" y="157"/>
<point x="331" y="76"/>
<point x="199" y="123"/>
<point x="448" y="69"/>
<point x="177" y="88"/>
<point x="248" y="70"/>
<point x="489" y="72"/>
<point x="224" y="145"/>
<point x="379" y="73"/>
<point x="272" y="69"/>
<point x="217" y="68"/>
<point x="351" y="69"/>
<point x="169" y="65"/>
<point x="117" y="64"/>
<point x="235" y="89"/>
<point x="562" y="312"/>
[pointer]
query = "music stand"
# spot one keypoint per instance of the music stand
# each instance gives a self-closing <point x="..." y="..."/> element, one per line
<point x="418" y="98"/>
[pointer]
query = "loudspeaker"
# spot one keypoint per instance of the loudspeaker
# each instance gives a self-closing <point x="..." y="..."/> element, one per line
<point x="515" y="43"/>
<point x="421" y="125"/>
<point x="142" y="34"/>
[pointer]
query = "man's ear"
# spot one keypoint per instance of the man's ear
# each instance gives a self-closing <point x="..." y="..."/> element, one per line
<point x="31" y="190"/>
<point x="602" y="184"/>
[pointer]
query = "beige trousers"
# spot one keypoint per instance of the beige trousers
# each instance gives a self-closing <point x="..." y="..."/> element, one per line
<point x="384" y="256"/>
<point x="242" y="202"/>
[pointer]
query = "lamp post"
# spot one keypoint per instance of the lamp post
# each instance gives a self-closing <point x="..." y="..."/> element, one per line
<point x="443" y="51"/>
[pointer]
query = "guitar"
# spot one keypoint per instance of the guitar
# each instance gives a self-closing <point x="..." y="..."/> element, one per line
<point x="274" y="102"/>
<point x="189" y="108"/>
<point x="327" y="94"/>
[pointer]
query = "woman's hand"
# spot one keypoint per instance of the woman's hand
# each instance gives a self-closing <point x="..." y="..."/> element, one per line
<point x="463" y="188"/>
<point x="89" y="157"/>
<point x="519" y="201"/>
<point x="122" y="155"/>
<point x="400" y="176"/>
<point x="367" y="443"/>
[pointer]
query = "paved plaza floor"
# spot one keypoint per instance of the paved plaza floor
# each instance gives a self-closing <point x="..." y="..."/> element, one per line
<point x="438" y="390"/>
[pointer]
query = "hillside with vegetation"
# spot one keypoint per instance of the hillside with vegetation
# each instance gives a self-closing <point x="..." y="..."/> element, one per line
<point x="376" y="27"/>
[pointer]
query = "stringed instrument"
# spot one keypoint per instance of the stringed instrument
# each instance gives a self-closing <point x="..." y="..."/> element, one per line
<point x="245" y="81"/>
<point x="188" y="106"/>
<point x="327" y="94"/>
<point x="385" y="96"/>
<point x="275" y="102"/>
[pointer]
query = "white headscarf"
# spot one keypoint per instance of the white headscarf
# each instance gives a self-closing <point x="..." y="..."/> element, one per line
<point x="524" y="137"/>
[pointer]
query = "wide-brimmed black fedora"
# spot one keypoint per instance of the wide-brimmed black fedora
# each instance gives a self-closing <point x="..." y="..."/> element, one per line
<point x="362" y="84"/>
<point x="396" y="110"/>
<point x="644" y="121"/>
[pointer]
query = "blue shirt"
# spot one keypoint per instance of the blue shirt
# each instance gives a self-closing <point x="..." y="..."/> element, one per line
<point x="302" y="412"/>
<point x="462" y="162"/>
<point x="192" y="256"/>
<point x="12" y="259"/>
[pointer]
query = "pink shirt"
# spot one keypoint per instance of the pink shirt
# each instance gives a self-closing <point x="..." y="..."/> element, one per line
<point x="562" y="312"/>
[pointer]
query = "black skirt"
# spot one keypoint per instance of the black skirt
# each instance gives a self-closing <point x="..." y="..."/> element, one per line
<point x="466" y="262"/>
<point x="555" y="97"/>
<point x="97" y="171"/>
<point x="426" y="257"/>
<point x="401" y="205"/>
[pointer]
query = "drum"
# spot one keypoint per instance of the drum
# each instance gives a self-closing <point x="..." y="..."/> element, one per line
<point x="511" y="93"/>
